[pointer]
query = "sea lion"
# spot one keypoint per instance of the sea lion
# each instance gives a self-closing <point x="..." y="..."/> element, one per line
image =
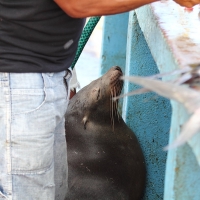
<point x="104" y="157"/>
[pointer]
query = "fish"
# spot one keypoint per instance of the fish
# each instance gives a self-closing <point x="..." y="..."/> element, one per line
<point x="185" y="89"/>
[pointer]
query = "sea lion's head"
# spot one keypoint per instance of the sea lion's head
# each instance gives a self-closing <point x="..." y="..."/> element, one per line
<point x="101" y="91"/>
<point x="98" y="96"/>
<point x="95" y="101"/>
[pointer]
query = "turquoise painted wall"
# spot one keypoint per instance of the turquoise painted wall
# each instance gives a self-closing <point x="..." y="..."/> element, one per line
<point x="147" y="115"/>
<point x="114" y="42"/>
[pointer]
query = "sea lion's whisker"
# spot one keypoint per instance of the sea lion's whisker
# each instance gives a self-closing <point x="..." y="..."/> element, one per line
<point x="119" y="91"/>
<point x="115" y="81"/>
<point x="111" y="106"/>
<point x="116" y="87"/>
<point x="116" y="90"/>
<point x="119" y="87"/>
<point x="114" y="102"/>
<point x="120" y="83"/>
<point x="112" y="113"/>
<point x="111" y="109"/>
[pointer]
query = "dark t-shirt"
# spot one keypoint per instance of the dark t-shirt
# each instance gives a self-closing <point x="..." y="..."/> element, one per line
<point x="36" y="36"/>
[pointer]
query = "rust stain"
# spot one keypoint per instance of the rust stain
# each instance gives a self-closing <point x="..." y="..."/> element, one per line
<point x="177" y="169"/>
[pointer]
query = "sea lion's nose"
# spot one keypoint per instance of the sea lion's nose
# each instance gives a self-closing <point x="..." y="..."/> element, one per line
<point x="118" y="68"/>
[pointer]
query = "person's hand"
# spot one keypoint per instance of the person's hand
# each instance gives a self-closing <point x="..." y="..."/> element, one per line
<point x="187" y="3"/>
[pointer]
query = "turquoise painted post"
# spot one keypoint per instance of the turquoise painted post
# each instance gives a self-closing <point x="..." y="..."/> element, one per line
<point x="148" y="115"/>
<point x="183" y="172"/>
<point x="114" y="42"/>
<point x="182" y="177"/>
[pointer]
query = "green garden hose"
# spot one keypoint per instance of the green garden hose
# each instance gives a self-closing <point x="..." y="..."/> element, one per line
<point x="87" y="31"/>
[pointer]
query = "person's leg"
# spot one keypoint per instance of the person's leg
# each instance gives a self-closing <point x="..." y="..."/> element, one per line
<point x="32" y="105"/>
<point x="5" y="160"/>
<point x="61" y="173"/>
<point x="61" y="167"/>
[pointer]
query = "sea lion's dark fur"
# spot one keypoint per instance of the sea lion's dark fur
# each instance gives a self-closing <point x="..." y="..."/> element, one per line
<point x="103" y="164"/>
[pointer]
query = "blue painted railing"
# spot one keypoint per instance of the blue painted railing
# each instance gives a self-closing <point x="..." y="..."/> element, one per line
<point x="145" y="42"/>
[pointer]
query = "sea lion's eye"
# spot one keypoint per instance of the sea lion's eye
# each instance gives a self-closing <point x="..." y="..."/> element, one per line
<point x="98" y="94"/>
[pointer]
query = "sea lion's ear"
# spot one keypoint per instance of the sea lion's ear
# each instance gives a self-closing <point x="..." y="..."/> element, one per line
<point x="85" y="120"/>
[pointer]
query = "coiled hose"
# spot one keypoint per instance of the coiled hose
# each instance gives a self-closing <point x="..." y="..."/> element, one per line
<point x="87" y="31"/>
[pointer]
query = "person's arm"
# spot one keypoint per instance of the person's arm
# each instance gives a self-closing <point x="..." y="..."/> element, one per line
<point x="88" y="8"/>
